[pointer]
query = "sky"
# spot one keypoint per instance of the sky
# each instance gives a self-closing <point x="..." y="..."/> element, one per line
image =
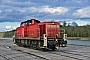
<point x="12" y="12"/>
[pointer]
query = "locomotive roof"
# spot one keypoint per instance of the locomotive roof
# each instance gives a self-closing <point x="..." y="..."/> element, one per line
<point x="31" y="21"/>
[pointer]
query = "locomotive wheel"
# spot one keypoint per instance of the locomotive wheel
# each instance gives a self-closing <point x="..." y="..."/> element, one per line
<point x="19" y="45"/>
<point x="53" y="47"/>
<point x="18" y="42"/>
<point x="65" y="43"/>
<point x="34" y="44"/>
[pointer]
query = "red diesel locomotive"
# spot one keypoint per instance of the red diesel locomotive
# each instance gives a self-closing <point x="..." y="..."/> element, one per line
<point x="36" y="34"/>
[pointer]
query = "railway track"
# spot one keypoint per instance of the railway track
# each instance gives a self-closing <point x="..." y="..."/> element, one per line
<point x="70" y="53"/>
<point x="32" y="54"/>
<point x="75" y="54"/>
<point x="5" y="56"/>
<point x="67" y="54"/>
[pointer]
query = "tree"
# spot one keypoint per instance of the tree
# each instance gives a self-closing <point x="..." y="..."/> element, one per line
<point x="64" y="23"/>
<point x="69" y="24"/>
<point x="74" y="24"/>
